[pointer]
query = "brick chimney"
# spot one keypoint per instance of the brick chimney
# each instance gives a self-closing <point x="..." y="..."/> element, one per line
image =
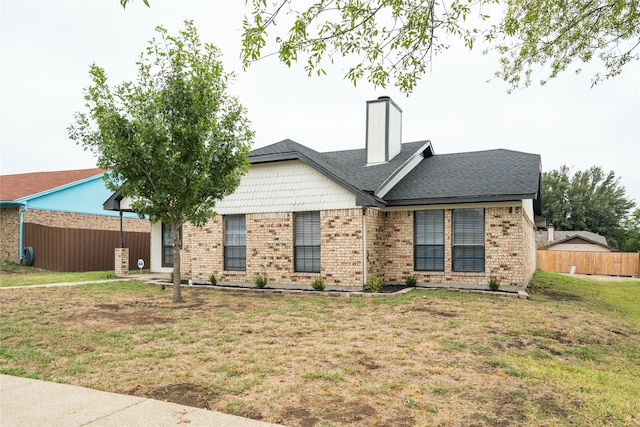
<point x="384" y="130"/>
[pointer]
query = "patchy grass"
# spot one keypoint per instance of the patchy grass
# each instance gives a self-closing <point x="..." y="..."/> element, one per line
<point x="567" y="356"/>
<point x="12" y="274"/>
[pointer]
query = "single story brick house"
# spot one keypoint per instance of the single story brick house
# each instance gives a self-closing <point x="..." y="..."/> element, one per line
<point x="59" y="215"/>
<point x="390" y="210"/>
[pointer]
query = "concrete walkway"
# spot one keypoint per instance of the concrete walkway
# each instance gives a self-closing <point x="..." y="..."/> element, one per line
<point x="26" y="402"/>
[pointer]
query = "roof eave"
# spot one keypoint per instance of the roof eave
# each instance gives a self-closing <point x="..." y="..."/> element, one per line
<point x="11" y="204"/>
<point x="458" y="200"/>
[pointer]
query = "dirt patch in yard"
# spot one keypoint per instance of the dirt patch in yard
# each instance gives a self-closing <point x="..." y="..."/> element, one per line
<point x="425" y="358"/>
<point x="118" y="315"/>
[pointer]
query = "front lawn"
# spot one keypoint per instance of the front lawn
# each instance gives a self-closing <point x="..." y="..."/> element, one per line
<point x="12" y="274"/>
<point x="567" y="356"/>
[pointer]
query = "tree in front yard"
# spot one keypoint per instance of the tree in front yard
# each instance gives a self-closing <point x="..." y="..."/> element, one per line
<point x="174" y="140"/>
<point x="585" y="200"/>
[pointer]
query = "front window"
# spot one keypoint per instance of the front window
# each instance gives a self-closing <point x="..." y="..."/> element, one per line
<point x="429" y="240"/>
<point x="235" y="243"/>
<point x="307" y="242"/>
<point x="468" y="240"/>
<point x="167" y="245"/>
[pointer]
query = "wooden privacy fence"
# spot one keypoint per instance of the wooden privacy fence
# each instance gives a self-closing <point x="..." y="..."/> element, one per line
<point x="605" y="263"/>
<point x="69" y="249"/>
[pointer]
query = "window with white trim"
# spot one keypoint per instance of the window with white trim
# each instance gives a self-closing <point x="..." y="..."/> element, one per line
<point x="307" y="242"/>
<point x="429" y="240"/>
<point x="235" y="243"/>
<point x="468" y="240"/>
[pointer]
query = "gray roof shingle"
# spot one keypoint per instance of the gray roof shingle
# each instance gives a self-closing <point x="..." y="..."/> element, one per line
<point x="446" y="178"/>
<point x="473" y="176"/>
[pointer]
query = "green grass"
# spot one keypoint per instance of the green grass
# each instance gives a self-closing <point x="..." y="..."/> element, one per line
<point x="569" y="355"/>
<point x="12" y="274"/>
<point x="618" y="298"/>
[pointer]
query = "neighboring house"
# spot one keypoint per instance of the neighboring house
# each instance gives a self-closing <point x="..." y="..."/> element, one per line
<point x="60" y="216"/>
<point x="390" y="210"/>
<point x="577" y="241"/>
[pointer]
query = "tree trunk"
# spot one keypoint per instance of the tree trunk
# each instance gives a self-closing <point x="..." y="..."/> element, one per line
<point x="177" y="242"/>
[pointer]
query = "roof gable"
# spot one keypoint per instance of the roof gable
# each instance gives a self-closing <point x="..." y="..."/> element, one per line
<point x="563" y="235"/>
<point x="26" y="185"/>
<point x="491" y="175"/>
<point x="579" y="239"/>
<point x="417" y="176"/>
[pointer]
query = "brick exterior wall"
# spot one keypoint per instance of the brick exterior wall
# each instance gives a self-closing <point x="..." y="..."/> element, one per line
<point x="84" y="221"/>
<point x="270" y="248"/>
<point x="509" y="250"/>
<point x="376" y="242"/>
<point x="121" y="262"/>
<point x="10" y="234"/>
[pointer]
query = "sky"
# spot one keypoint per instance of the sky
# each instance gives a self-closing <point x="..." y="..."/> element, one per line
<point x="46" y="48"/>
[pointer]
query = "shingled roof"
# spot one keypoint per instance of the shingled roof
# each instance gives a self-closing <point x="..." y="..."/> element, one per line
<point x="18" y="186"/>
<point x="492" y="175"/>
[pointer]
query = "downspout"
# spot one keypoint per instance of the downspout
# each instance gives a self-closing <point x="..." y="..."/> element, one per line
<point x="364" y="247"/>
<point x="23" y="208"/>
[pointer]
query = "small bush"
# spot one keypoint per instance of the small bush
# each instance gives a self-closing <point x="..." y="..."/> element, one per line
<point x="213" y="279"/>
<point x="261" y="281"/>
<point x="375" y="284"/>
<point x="494" y="285"/>
<point x="411" y="281"/>
<point x="172" y="277"/>
<point x="318" y="284"/>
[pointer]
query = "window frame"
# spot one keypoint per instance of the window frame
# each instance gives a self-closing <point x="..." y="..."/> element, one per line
<point x="165" y="249"/>
<point x="467" y="248"/>
<point x="430" y="262"/>
<point x="311" y="243"/>
<point x="235" y="246"/>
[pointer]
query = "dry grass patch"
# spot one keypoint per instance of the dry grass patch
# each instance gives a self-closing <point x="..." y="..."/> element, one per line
<point x="426" y="358"/>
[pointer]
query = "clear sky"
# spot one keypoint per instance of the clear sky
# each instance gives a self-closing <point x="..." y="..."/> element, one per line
<point x="47" y="47"/>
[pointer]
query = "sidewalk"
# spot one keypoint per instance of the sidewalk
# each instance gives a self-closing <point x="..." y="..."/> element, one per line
<point x="26" y="402"/>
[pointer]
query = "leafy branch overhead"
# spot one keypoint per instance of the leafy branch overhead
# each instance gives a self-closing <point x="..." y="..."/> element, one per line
<point x="394" y="41"/>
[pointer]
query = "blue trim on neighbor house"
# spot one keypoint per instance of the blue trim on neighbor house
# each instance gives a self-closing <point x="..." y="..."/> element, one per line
<point x="84" y="197"/>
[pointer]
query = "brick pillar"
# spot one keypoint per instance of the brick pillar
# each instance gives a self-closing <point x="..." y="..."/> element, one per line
<point x="122" y="262"/>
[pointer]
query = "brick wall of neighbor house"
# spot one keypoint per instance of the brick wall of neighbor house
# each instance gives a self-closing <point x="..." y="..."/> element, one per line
<point x="270" y="250"/>
<point x="10" y="234"/>
<point x="84" y="221"/>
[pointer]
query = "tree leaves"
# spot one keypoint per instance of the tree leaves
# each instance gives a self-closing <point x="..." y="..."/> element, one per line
<point x="174" y="141"/>
<point x="585" y="200"/>
<point x="393" y="41"/>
